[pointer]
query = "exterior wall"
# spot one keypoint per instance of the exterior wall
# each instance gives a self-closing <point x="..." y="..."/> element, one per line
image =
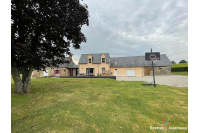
<point x="121" y="71"/>
<point x="64" y="72"/>
<point x="97" y="67"/>
<point x="160" y="70"/>
<point x="36" y="74"/>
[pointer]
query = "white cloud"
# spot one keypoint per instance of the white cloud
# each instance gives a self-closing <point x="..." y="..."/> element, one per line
<point x="132" y="27"/>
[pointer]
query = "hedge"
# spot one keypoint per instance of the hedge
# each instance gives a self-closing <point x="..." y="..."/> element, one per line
<point x="179" y="69"/>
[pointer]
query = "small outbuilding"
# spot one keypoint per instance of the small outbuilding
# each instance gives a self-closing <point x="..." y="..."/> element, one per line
<point x="69" y="68"/>
<point x="138" y="66"/>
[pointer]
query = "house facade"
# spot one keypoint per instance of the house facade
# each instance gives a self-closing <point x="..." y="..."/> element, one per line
<point x="66" y="69"/>
<point x="94" y="64"/>
<point x="102" y="64"/>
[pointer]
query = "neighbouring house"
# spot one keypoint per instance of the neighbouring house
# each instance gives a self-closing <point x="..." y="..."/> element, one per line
<point x="102" y="64"/>
<point x="69" y="68"/>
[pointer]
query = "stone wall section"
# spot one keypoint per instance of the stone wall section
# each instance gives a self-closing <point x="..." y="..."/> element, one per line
<point x="36" y="74"/>
<point x="160" y="70"/>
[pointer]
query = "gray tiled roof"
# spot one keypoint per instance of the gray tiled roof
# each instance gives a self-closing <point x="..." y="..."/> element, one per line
<point x="74" y="66"/>
<point x="69" y="64"/>
<point x="138" y="61"/>
<point x="96" y="58"/>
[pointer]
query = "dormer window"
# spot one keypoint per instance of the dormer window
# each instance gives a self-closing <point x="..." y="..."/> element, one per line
<point x="90" y="61"/>
<point x="103" y="60"/>
<point x="115" y="63"/>
<point x="83" y="59"/>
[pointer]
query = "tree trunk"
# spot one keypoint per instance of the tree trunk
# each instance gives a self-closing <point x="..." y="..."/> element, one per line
<point x="26" y="78"/>
<point x="22" y="86"/>
<point x="17" y="80"/>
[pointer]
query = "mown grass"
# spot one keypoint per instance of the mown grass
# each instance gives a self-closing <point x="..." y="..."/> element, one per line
<point x="180" y="73"/>
<point x="96" y="105"/>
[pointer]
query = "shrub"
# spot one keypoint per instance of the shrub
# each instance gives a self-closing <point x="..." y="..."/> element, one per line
<point x="179" y="67"/>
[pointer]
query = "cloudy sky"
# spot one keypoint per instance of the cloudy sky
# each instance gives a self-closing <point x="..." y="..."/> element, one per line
<point x="133" y="27"/>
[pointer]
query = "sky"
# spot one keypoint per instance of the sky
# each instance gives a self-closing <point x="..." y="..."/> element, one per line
<point x="133" y="27"/>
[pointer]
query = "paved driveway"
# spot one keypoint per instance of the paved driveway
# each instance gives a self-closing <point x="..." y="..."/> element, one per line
<point x="171" y="80"/>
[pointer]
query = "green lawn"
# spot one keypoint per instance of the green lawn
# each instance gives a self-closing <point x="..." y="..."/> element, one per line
<point x="180" y="69"/>
<point x="180" y="73"/>
<point x="180" y="65"/>
<point x="57" y="105"/>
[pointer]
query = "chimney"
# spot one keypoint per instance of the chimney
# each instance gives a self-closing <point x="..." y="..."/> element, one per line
<point x="70" y="56"/>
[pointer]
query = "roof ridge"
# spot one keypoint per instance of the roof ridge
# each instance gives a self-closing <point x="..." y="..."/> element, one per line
<point x="126" y="56"/>
<point x="133" y="56"/>
<point x="95" y="53"/>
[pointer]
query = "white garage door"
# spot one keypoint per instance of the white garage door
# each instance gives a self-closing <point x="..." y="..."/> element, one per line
<point x="130" y="72"/>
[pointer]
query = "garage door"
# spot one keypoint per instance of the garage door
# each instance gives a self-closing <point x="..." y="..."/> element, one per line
<point x="130" y="72"/>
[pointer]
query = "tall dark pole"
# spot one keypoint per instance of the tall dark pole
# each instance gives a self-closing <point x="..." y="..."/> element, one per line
<point x="153" y="73"/>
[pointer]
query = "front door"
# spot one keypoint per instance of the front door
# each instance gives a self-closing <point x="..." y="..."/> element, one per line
<point x="90" y="71"/>
<point x="115" y="72"/>
<point x="147" y="71"/>
<point x="74" y="72"/>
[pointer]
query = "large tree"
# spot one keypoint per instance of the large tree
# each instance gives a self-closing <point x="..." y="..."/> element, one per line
<point x="173" y="62"/>
<point x="183" y="61"/>
<point x="40" y="31"/>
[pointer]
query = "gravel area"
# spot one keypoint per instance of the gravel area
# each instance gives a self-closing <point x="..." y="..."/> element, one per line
<point x="170" y="80"/>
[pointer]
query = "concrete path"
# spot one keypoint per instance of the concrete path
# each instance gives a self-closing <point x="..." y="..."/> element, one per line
<point x="170" y="80"/>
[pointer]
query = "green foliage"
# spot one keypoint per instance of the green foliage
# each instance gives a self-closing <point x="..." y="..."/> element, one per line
<point x="96" y="105"/>
<point x="99" y="74"/>
<point x="180" y="73"/>
<point x="182" y="61"/>
<point x="183" y="67"/>
<point x="173" y="62"/>
<point x="41" y="30"/>
<point x="42" y="33"/>
<point x="179" y="69"/>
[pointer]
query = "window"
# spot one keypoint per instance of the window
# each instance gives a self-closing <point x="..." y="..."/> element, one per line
<point x="89" y="60"/>
<point x="103" y="69"/>
<point x="103" y="60"/>
<point x="115" y="63"/>
<point x="57" y="72"/>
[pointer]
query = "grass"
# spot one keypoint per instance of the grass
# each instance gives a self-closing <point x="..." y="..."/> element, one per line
<point x="179" y="65"/>
<point x="180" y="73"/>
<point x="96" y="105"/>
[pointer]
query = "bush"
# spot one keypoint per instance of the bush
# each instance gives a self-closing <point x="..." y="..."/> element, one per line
<point x="99" y="74"/>
<point x="179" y="69"/>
